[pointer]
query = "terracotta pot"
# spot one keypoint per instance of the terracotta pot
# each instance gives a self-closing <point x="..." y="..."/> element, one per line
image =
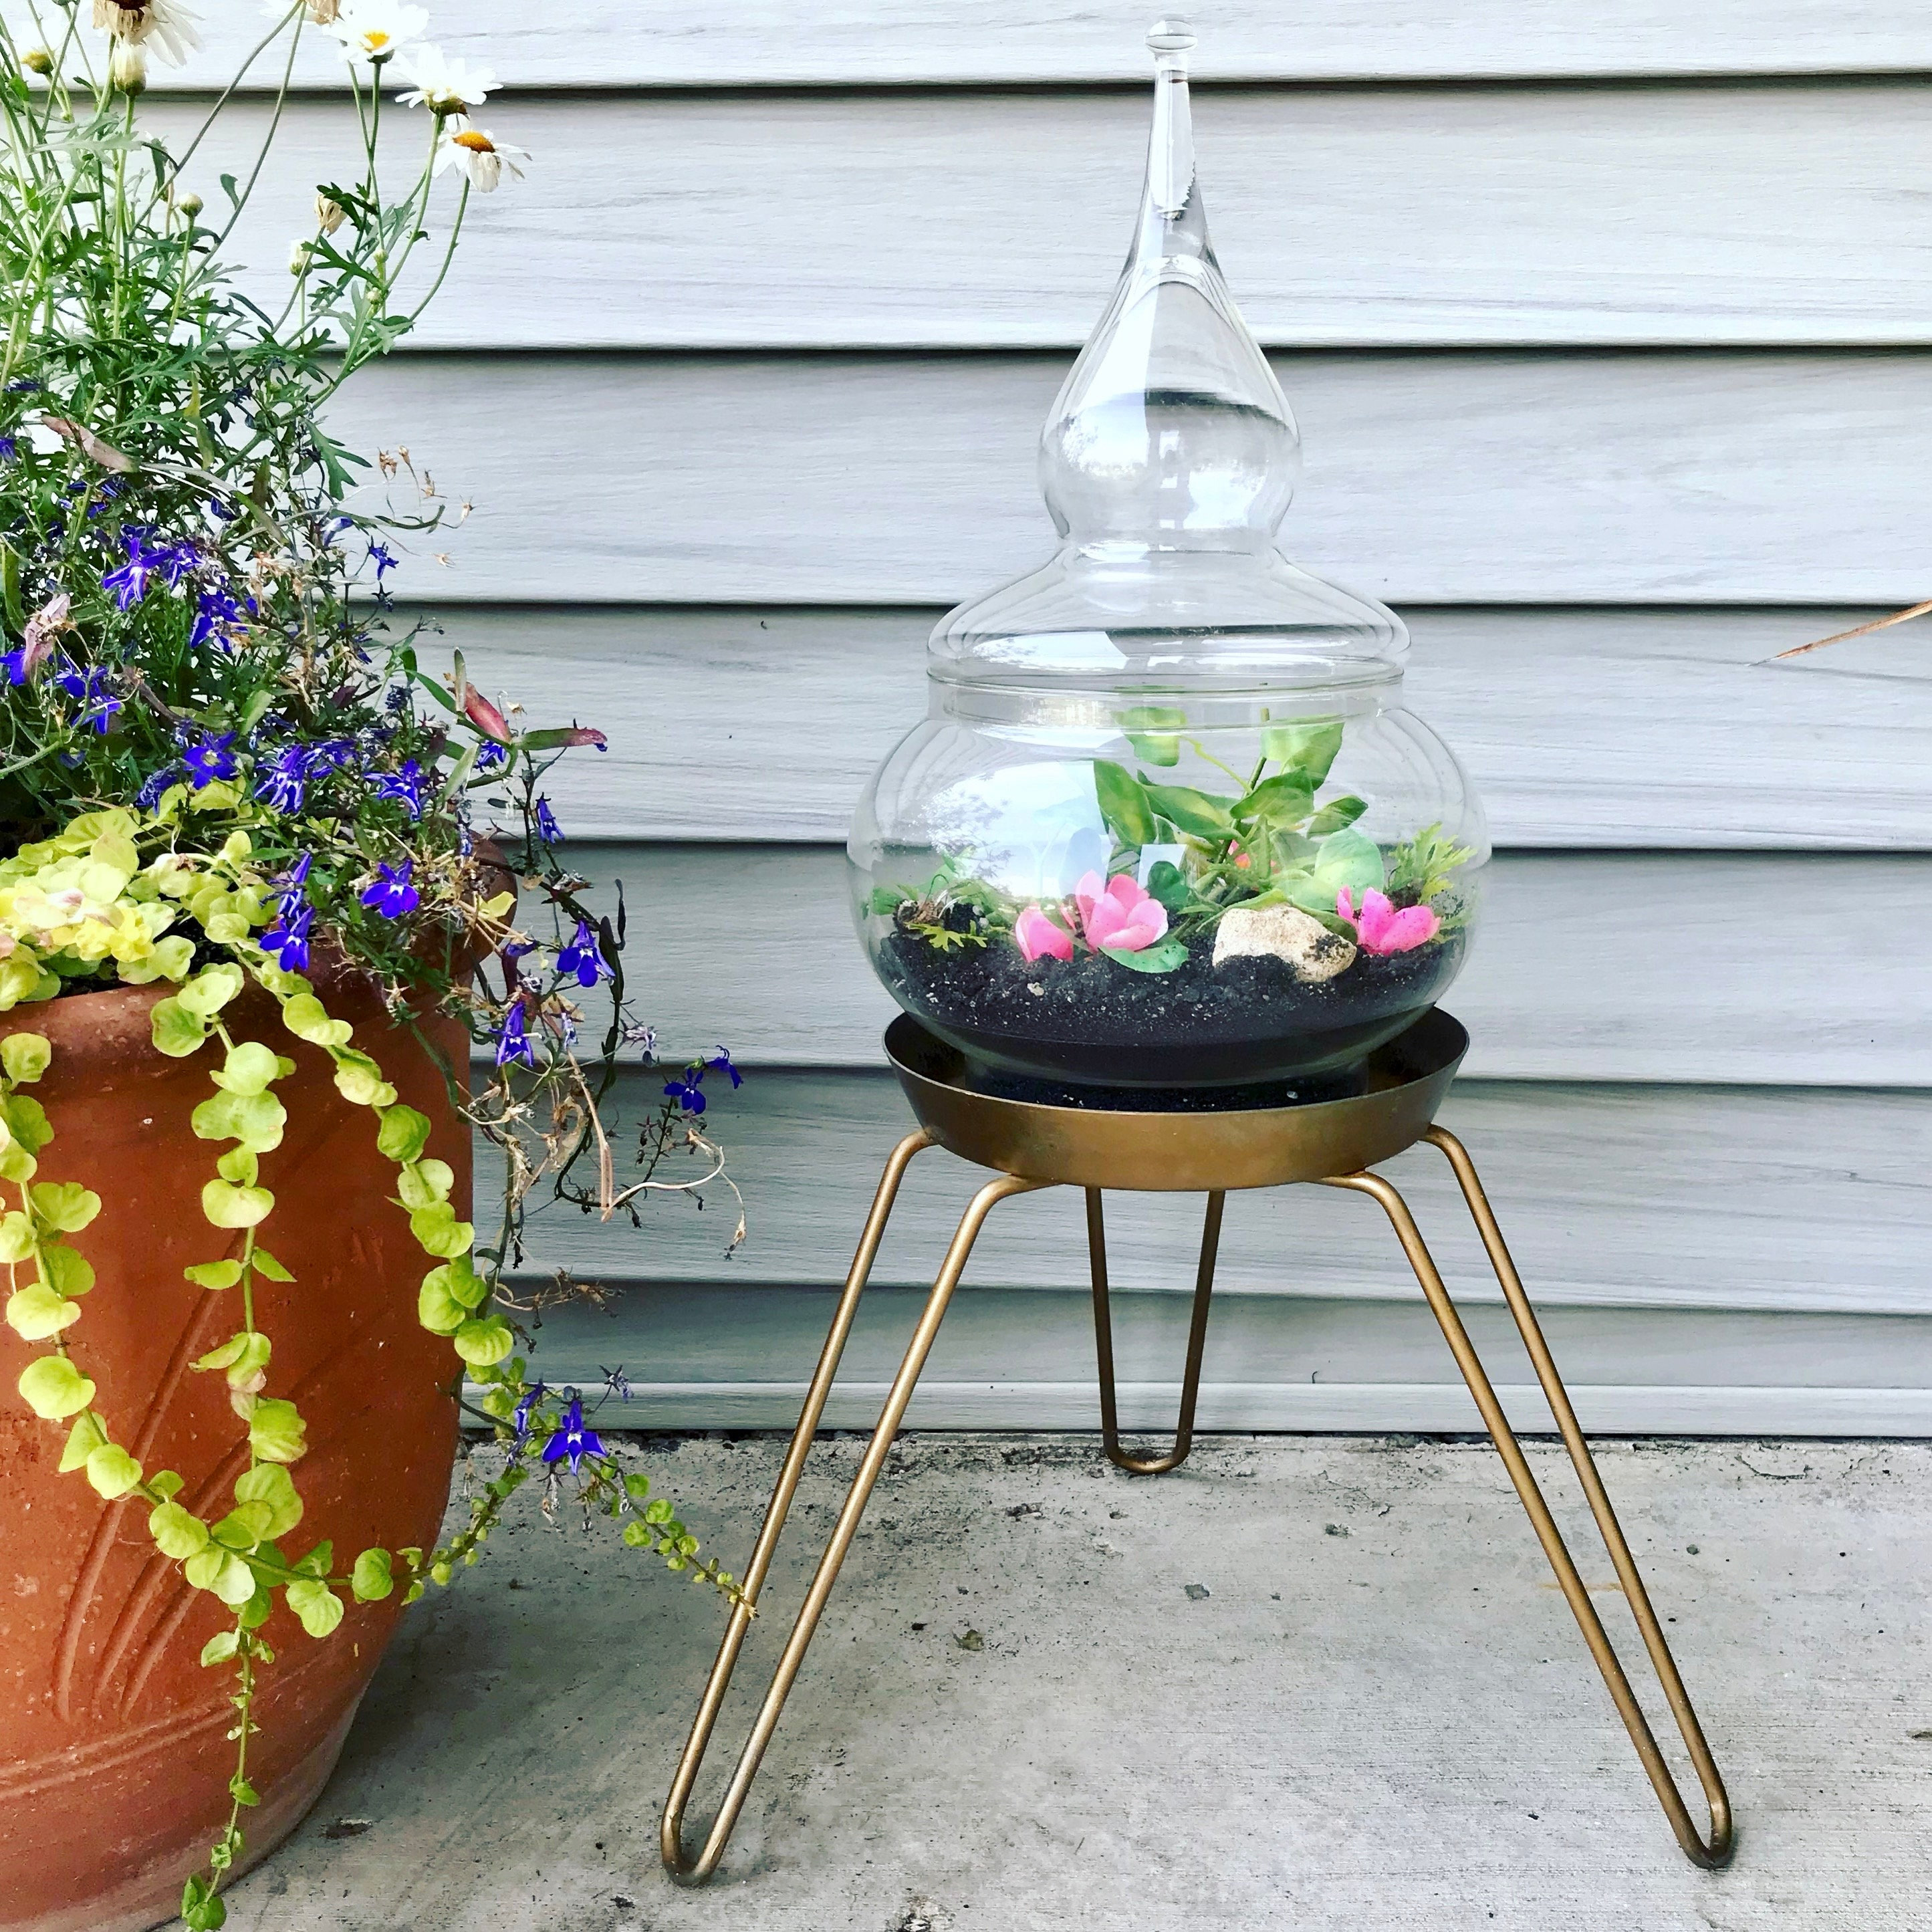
<point x="113" y="1759"/>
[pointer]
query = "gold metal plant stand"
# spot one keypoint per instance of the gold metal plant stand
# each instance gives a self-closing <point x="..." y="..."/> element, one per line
<point x="1211" y="1151"/>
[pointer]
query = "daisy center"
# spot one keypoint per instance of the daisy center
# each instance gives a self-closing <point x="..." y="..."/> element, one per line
<point x="477" y="144"/>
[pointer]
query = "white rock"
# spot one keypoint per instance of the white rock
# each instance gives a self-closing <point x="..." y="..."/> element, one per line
<point x="1286" y="933"/>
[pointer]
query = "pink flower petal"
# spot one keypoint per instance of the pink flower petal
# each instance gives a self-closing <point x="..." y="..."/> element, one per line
<point x="1104" y="917"/>
<point x="1036" y="935"/>
<point x="1413" y="926"/>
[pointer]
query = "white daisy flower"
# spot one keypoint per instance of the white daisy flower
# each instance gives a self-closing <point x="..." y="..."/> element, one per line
<point x="170" y="28"/>
<point x="443" y="86"/>
<point x="478" y="152"/>
<point x="375" y="30"/>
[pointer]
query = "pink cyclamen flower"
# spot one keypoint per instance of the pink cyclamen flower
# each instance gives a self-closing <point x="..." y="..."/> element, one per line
<point x="1118" y="915"/>
<point x="1379" y="928"/>
<point x="1036" y="933"/>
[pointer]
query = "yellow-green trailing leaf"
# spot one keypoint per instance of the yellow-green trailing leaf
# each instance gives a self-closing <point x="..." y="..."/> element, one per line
<point x="258" y="1609"/>
<point x="244" y="1356"/>
<point x="271" y="1484"/>
<point x="422" y="1183"/>
<point x="55" y="1389"/>
<point x="64" y="1205"/>
<point x="25" y="1056"/>
<point x="255" y="1120"/>
<point x="34" y="1312"/>
<point x="235" y="848"/>
<point x="404" y="1133"/>
<point x="210" y="990"/>
<point x="228" y="1206"/>
<point x="269" y="1268"/>
<point x="499" y="907"/>
<point x="465" y="1284"/>
<point x="245" y="1525"/>
<point x="437" y="1309"/>
<point x="166" y="1483"/>
<point x="213" y="1274"/>
<point x="170" y="960"/>
<point x="248" y="1069"/>
<point x="177" y="1032"/>
<point x="239" y="1165"/>
<point x="276" y="1432"/>
<point x="359" y="1081"/>
<point x="112" y="1470"/>
<point x="26" y="1120"/>
<point x="222" y="1571"/>
<point x="371" y="1579"/>
<point x="177" y="1533"/>
<point x="220" y="1647"/>
<point x="68" y="1270"/>
<point x="16" y="1164"/>
<point x="484" y="1339"/>
<point x="319" y="1607"/>
<point x="16" y="1236"/>
<point x="637" y="1534"/>
<point x="438" y="1232"/>
<point x="83" y="1439"/>
<point x="305" y="1017"/>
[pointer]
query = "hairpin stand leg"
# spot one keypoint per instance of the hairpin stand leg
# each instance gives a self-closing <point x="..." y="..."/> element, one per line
<point x="694" y="1870"/>
<point x="1717" y="1852"/>
<point x="1103" y="1341"/>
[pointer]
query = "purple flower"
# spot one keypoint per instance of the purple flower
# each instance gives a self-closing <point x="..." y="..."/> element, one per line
<point x="688" y="1093"/>
<point x="90" y="686"/>
<point x="22" y="385"/>
<point x="511" y="1043"/>
<point x="156" y="783"/>
<point x="217" y="508"/>
<point x="284" y="781"/>
<point x="616" y="1382"/>
<point x="548" y="830"/>
<point x="520" y="1420"/>
<point x="9" y="449"/>
<point x="584" y="958"/>
<point x="209" y="760"/>
<point x="392" y="895"/>
<point x="383" y="560"/>
<point x="396" y="700"/>
<point x="405" y="787"/>
<point x="721" y="1063"/>
<point x="130" y="583"/>
<point x="492" y="756"/>
<point x="14" y="664"/>
<point x="296" y="877"/>
<point x="570" y="1440"/>
<point x="288" y="938"/>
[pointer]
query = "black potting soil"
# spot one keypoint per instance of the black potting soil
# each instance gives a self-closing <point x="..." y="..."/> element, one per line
<point x="1092" y="1021"/>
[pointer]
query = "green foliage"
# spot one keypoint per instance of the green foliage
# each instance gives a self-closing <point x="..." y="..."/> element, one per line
<point x="1424" y="866"/>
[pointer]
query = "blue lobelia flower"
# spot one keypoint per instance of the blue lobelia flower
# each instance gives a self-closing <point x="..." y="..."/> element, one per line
<point x="396" y="700"/>
<point x="98" y="703"/>
<point x="392" y="895"/>
<point x="21" y="385"/>
<point x="405" y="787"/>
<point x="688" y="1093"/>
<point x="216" y="612"/>
<point x="288" y="938"/>
<point x="156" y="783"/>
<point x="548" y="829"/>
<point x="130" y="583"/>
<point x="210" y="759"/>
<point x="512" y="1043"/>
<point x="570" y="1440"/>
<point x="721" y="1063"/>
<point x="492" y="756"/>
<point x="584" y="958"/>
<point x="10" y="447"/>
<point x="381" y="558"/>
<point x="217" y="508"/>
<point x="616" y="1382"/>
<point x="283" y="782"/>
<point x="296" y="877"/>
<point x="14" y="664"/>
<point x="520" y="1420"/>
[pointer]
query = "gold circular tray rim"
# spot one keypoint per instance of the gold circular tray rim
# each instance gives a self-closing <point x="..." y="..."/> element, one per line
<point x="1205" y="1150"/>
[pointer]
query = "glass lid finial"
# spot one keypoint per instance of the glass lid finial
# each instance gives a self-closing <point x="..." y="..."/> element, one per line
<point x="1167" y="462"/>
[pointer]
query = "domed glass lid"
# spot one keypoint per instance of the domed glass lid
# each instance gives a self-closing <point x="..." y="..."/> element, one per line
<point x="1167" y="462"/>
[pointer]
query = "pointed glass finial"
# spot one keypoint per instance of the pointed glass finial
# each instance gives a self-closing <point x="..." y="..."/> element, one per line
<point x="1167" y="462"/>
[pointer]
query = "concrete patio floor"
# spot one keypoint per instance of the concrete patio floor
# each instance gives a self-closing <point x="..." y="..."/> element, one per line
<point x="1308" y="1682"/>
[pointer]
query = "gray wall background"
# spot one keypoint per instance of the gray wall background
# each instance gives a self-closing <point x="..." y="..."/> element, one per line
<point x="1608" y="332"/>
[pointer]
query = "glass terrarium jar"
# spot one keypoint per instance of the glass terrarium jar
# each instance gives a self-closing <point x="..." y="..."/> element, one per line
<point x="1168" y="822"/>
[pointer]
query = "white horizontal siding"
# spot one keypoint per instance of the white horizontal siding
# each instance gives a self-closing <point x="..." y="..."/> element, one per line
<point x="1584" y="728"/>
<point x="1440" y="477"/>
<point x="589" y="43"/>
<point x="1748" y="967"/>
<point x="1624" y="216"/>
<point x="1645" y="1197"/>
